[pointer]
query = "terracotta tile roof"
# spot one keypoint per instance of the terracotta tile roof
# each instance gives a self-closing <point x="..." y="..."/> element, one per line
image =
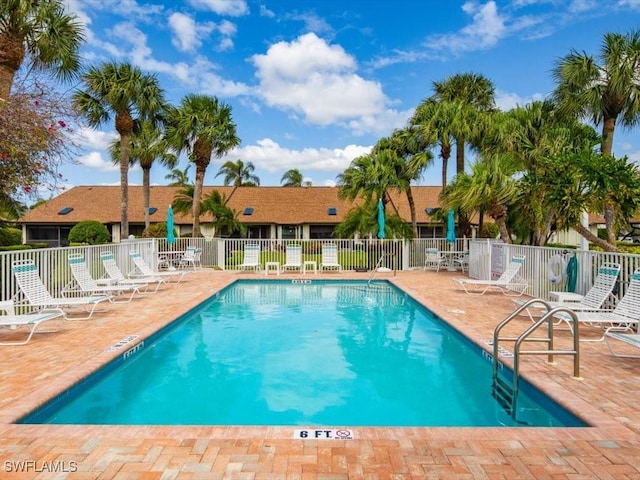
<point x="271" y="205"/>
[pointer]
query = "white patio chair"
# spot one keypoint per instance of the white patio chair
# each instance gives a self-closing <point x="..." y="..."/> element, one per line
<point x="461" y="260"/>
<point x="594" y="299"/>
<point x="625" y="317"/>
<point x="434" y="259"/>
<point x="330" y="258"/>
<point x="509" y="282"/>
<point x="84" y="282"/>
<point x="116" y="277"/>
<point x="293" y="258"/>
<point x="143" y="270"/>
<point x="251" y="257"/>
<point x="31" y="321"/>
<point x="37" y="295"/>
<point x="191" y="258"/>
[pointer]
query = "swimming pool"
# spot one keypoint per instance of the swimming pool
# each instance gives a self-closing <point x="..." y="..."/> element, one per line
<point x="276" y="352"/>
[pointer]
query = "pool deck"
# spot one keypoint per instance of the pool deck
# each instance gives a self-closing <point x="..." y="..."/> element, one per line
<point x="607" y="397"/>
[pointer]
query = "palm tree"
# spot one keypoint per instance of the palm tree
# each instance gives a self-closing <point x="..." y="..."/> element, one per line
<point x="532" y="134"/>
<point x="201" y="126"/>
<point x="371" y="177"/>
<point x="472" y="90"/>
<point x="292" y="178"/>
<point x="412" y="155"/>
<point x="147" y="145"/>
<point x="238" y="174"/>
<point x="605" y="90"/>
<point x="179" y="178"/>
<point x="183" y="199"/>
<point x="490" y="187"/>
<point x="225" y="220"/>
<point x="432" y="123"/>
<point x="43" y="33"/>
<point x="121" y="91"/>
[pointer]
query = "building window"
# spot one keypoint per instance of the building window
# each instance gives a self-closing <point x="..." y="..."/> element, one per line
<point x="289" y="232"/>
<point x="318" y="232"/>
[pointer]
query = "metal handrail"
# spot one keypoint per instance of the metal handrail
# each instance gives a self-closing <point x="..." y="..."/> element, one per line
<point x="550" y="351"/>
<point x="379" y="262"/>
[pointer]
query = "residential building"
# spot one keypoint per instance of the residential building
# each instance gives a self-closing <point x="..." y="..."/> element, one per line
<point x="268" y="212"/>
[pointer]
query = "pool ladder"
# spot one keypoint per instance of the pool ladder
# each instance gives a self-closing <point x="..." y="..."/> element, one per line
<point x="507" y="394"/>
<point x="378" y="263"/>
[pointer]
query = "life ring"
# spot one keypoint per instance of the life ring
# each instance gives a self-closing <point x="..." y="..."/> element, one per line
<point x="557" y="268"/>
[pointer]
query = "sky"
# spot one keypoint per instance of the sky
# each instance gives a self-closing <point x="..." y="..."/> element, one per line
<point x="314" y="84"/>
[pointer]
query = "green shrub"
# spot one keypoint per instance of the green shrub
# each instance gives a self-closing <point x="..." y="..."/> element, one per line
<point x="157" y="230"/>
<point x="89" y="232"/>
<point x="10" y="236"/>
<point x="489" y="230"/>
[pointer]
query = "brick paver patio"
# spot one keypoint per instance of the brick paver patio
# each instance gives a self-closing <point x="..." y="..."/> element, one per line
<point x="607" y="397"/>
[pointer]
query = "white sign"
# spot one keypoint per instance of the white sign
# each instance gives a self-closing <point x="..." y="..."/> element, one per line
<point x="324" y="434"/>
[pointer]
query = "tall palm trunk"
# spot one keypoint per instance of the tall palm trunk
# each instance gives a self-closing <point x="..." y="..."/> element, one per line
<point x="124" y="126"/>
<point x="412" y="209"/>
<point x="11" y="57"/>
<point x="146" y="194"/>
<point x="499" y="215"/>
<point x="608" y="129"/>
<point x="202" y="155"/>
<point x="197" y="197"/>
<point x="235" y="187"/>
<point x="445" y="153"/>
<point x="460" y="155"/>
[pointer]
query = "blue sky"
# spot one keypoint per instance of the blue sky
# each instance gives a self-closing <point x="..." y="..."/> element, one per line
<point x="314" y="84"/>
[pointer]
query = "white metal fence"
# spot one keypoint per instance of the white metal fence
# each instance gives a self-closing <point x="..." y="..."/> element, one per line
<point x="486" y="258"/>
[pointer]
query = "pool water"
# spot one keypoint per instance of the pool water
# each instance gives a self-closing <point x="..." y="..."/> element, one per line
<point x="320" y="353"/>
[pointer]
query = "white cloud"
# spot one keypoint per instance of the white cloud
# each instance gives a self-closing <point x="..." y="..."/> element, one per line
<point x="200" y="76"/>
<point x="184" y="32"/>
<point x="581" y="6"/>
<point x="96" y="161"/>
<point x="128" y="8"/>
<point x="634" y="4"/>
<point x="188" y="35"/>
<point x="233" y="8"/>
<point x="91" y="139"/>
<point x="312" y="22"/>
<point x="310" y="77"/>
<point x="507" y="100"/>
<point x="486" y="29"/>
<point x="269" y="156"/>
<point x="265" y="12"/>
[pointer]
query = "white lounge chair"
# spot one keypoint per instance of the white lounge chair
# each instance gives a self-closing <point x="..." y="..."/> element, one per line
<point x="251" y="258"/>
<point x="31" y="321"/>
<point x="116" y="277"/>
<point x="37" y="295"/>
<point x="143" y="270"/>
<point x="84" y="282"/>
<point x="433" y="259"/>
<point x="594" y="299"/>
<point x="509" y="282"/>
<point x="330" y="258"/>
<point x="293" y="258"/>
<point x="625" y="317"/>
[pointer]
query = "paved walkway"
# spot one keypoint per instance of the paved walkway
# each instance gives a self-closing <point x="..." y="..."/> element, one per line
<point x="607" y="397"/>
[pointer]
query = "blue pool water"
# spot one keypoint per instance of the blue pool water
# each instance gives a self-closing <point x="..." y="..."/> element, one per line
<point x="283" y="353"/>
